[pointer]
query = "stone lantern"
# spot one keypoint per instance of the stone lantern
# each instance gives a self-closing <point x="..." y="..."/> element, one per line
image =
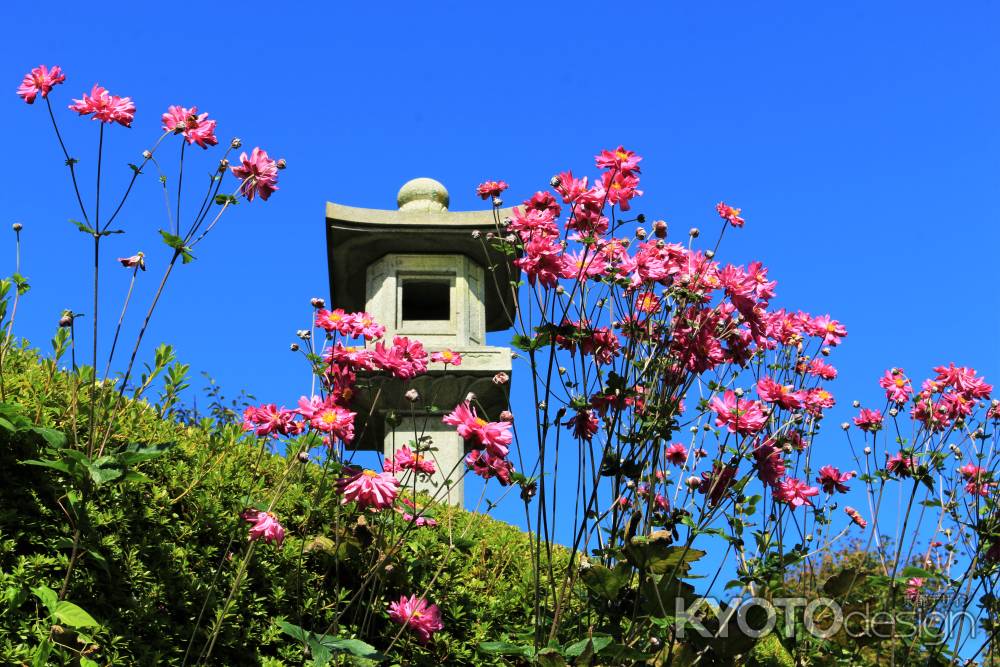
<point x="424" y="272"/>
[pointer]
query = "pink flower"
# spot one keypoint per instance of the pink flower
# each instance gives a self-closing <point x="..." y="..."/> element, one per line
<point x="544" y="261"/>
<point x="39" y="81"/>
<point x="447" y="357"/>
<point x="194" y="126"/>
<point x="584" y="424"/>
<point x="407" y="459"/>
<point x="418" y="615"/>
<point x="794" y="492"/>
<point x="676" y="454"/>
<point x="265" y="525"/>
<point x="370" y="489"/>
<point x="775" y="392"/>
<point x="913" y="587"/>
<point x="897" y="386"/>
<point x="821" y="369"/>
<point x="258" y="174"/>
<point x="419" y="521"/>
<point x="333" y="320"/>
<point x="405" y="359"/>
<point x="770" y="462"/>
<point x="490" y="189"/>
<point x="738" y="415"/>
<point x="831" y="479"/>
<point x="621" y="160"/>
<point x="138" y="259"/>
<point x="326" y="416"/>
<point x="488" y="466"/>
<point x="105" y="107"/>
<point x="869" y="420"/>
<point x="269" y="419"/>
<point x="494" y="436"/>
<point x="831" y="331"/>
<point x="727" y="212"/>
<point x="363" y="324"/>
<point x="816" y="400"/>
<point x="976" y="478"/>
<point x="899" y="465"/>
<point x="856" y="517"/>
<point x="716" y="483"/>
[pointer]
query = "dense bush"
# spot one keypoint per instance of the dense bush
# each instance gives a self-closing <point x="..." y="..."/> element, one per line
<point x="149" y="550"/>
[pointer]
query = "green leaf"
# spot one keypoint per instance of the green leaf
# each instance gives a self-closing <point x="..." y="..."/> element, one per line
<point x="83" y="227"/>
<point x="603" y="582"/>
<point x="61" y="466"/>
<point x="172" y="240"/>
<point x="73" y="616"/>
<point x="595" y="645"/>
<point x="52" y="437"/>
<point x="550" y="657"/>
<point x="355" y="647"/>
<point x="47" y="596"/>
<point x="294" y="631"/>
<point x="912" y="571"/>
<point x="655" y="553"/>
<point x="842" y="582"/>
<point x="41" y="657"/>
<point x="506" y="648"/>
<point x="87" y="662"/>
<point x="137" y="453"/>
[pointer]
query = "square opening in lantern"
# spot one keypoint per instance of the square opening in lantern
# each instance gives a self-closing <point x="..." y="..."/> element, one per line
<point x="425" y="299"/>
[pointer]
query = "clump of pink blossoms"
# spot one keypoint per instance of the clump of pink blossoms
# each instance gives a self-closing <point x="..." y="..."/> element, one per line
<point x="370" y="489"/>
<point x="258" y="174"/>
<point x="195" y="127"/>
<point x="265" y="525"/>
<point x="39" y="81"/>
<point x="105" y="107"/>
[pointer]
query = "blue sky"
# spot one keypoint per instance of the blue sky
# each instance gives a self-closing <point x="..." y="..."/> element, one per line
<point x="861" y="140"/>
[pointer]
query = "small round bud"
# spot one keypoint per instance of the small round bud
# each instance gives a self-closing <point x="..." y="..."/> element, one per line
<point x="303" y="457"/>
<point x="693" y="429"/>
<point x="825" y="352"/>
<point x="845" y="425"/>
<point x="506" y="416"/>
<point x="562" y="370"/>
<point x="294" y="347"/>
<point x="235" y="143"/>
<point x="560" y="290"/>
<point x="739" y="392"/>
<point x="490" y="236"/>
<point x="640" y="233"/>
<point x="304" y="334"/>
<point x="412" y="395"/>
<point x="709" y="254"/>
<point x="476" y="233"/>
<point x="694" y="232"/>
<point x="317" y="302"/>
<point x="693" y="482"/>
<point x="893" y="412"/>
<point x="542" y="405"/>
<point x="856" y="404"/>
<point x="17" y="226"/>
<point x="660" y="229"/>
<point x="641" y="218"/>
<point x="497" y="202"/>
<point x="67" y="318"/>
<point x="146" y="155"/>
<point x="223" y="165"/>
<point x="470" y="397"/>
<point x="555" y="181"/>
<point x="501" y="378"/>
<point x="868" y="451"/>
<point x="787" y="448"/>
<point x="281" y="164"/>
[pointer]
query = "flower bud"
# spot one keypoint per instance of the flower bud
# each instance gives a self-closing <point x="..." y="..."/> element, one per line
<point x="470" y="397"/>
<point x="17" y="226"/>
<point x="640" y="233"/>
<point x="709" y="254"/>
<point x="660" y="229"/>
<point x="476" y="233"/>
<point x="303" y="457"/>
<point x="560" y="290"/>
<point x="856" y="404"/>
<point x="235" y="143"/>
<point x="501" y="378"/>
<point x="739" y="392"/>
<point x="317" y="302"/>
<point x="506" y="416"/>
<point x="412" y="395"/>
<point x="893" y="412"/>
<point x="304" y="334"/>
<point x="868" y="451"/>
<point x="497" y="202"/>
<point x="281" y="164"/>
<point x="693" y="482"/>
<point x="555" y="181"/>
<point x="845" y="425"/>
<point x="294" y="347"/>
<point x="694" y="232"/>
<point x="147" y="155"/>
<point x="67" y="318"/>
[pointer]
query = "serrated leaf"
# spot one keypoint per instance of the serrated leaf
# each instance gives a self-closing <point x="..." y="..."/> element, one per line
<point x="172" y="240"/>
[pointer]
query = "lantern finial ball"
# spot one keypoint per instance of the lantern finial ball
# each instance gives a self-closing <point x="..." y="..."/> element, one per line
<point x="423" y="195"/>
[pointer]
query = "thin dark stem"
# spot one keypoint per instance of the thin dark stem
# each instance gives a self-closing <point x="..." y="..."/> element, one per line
<point x="97" y="257"/>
